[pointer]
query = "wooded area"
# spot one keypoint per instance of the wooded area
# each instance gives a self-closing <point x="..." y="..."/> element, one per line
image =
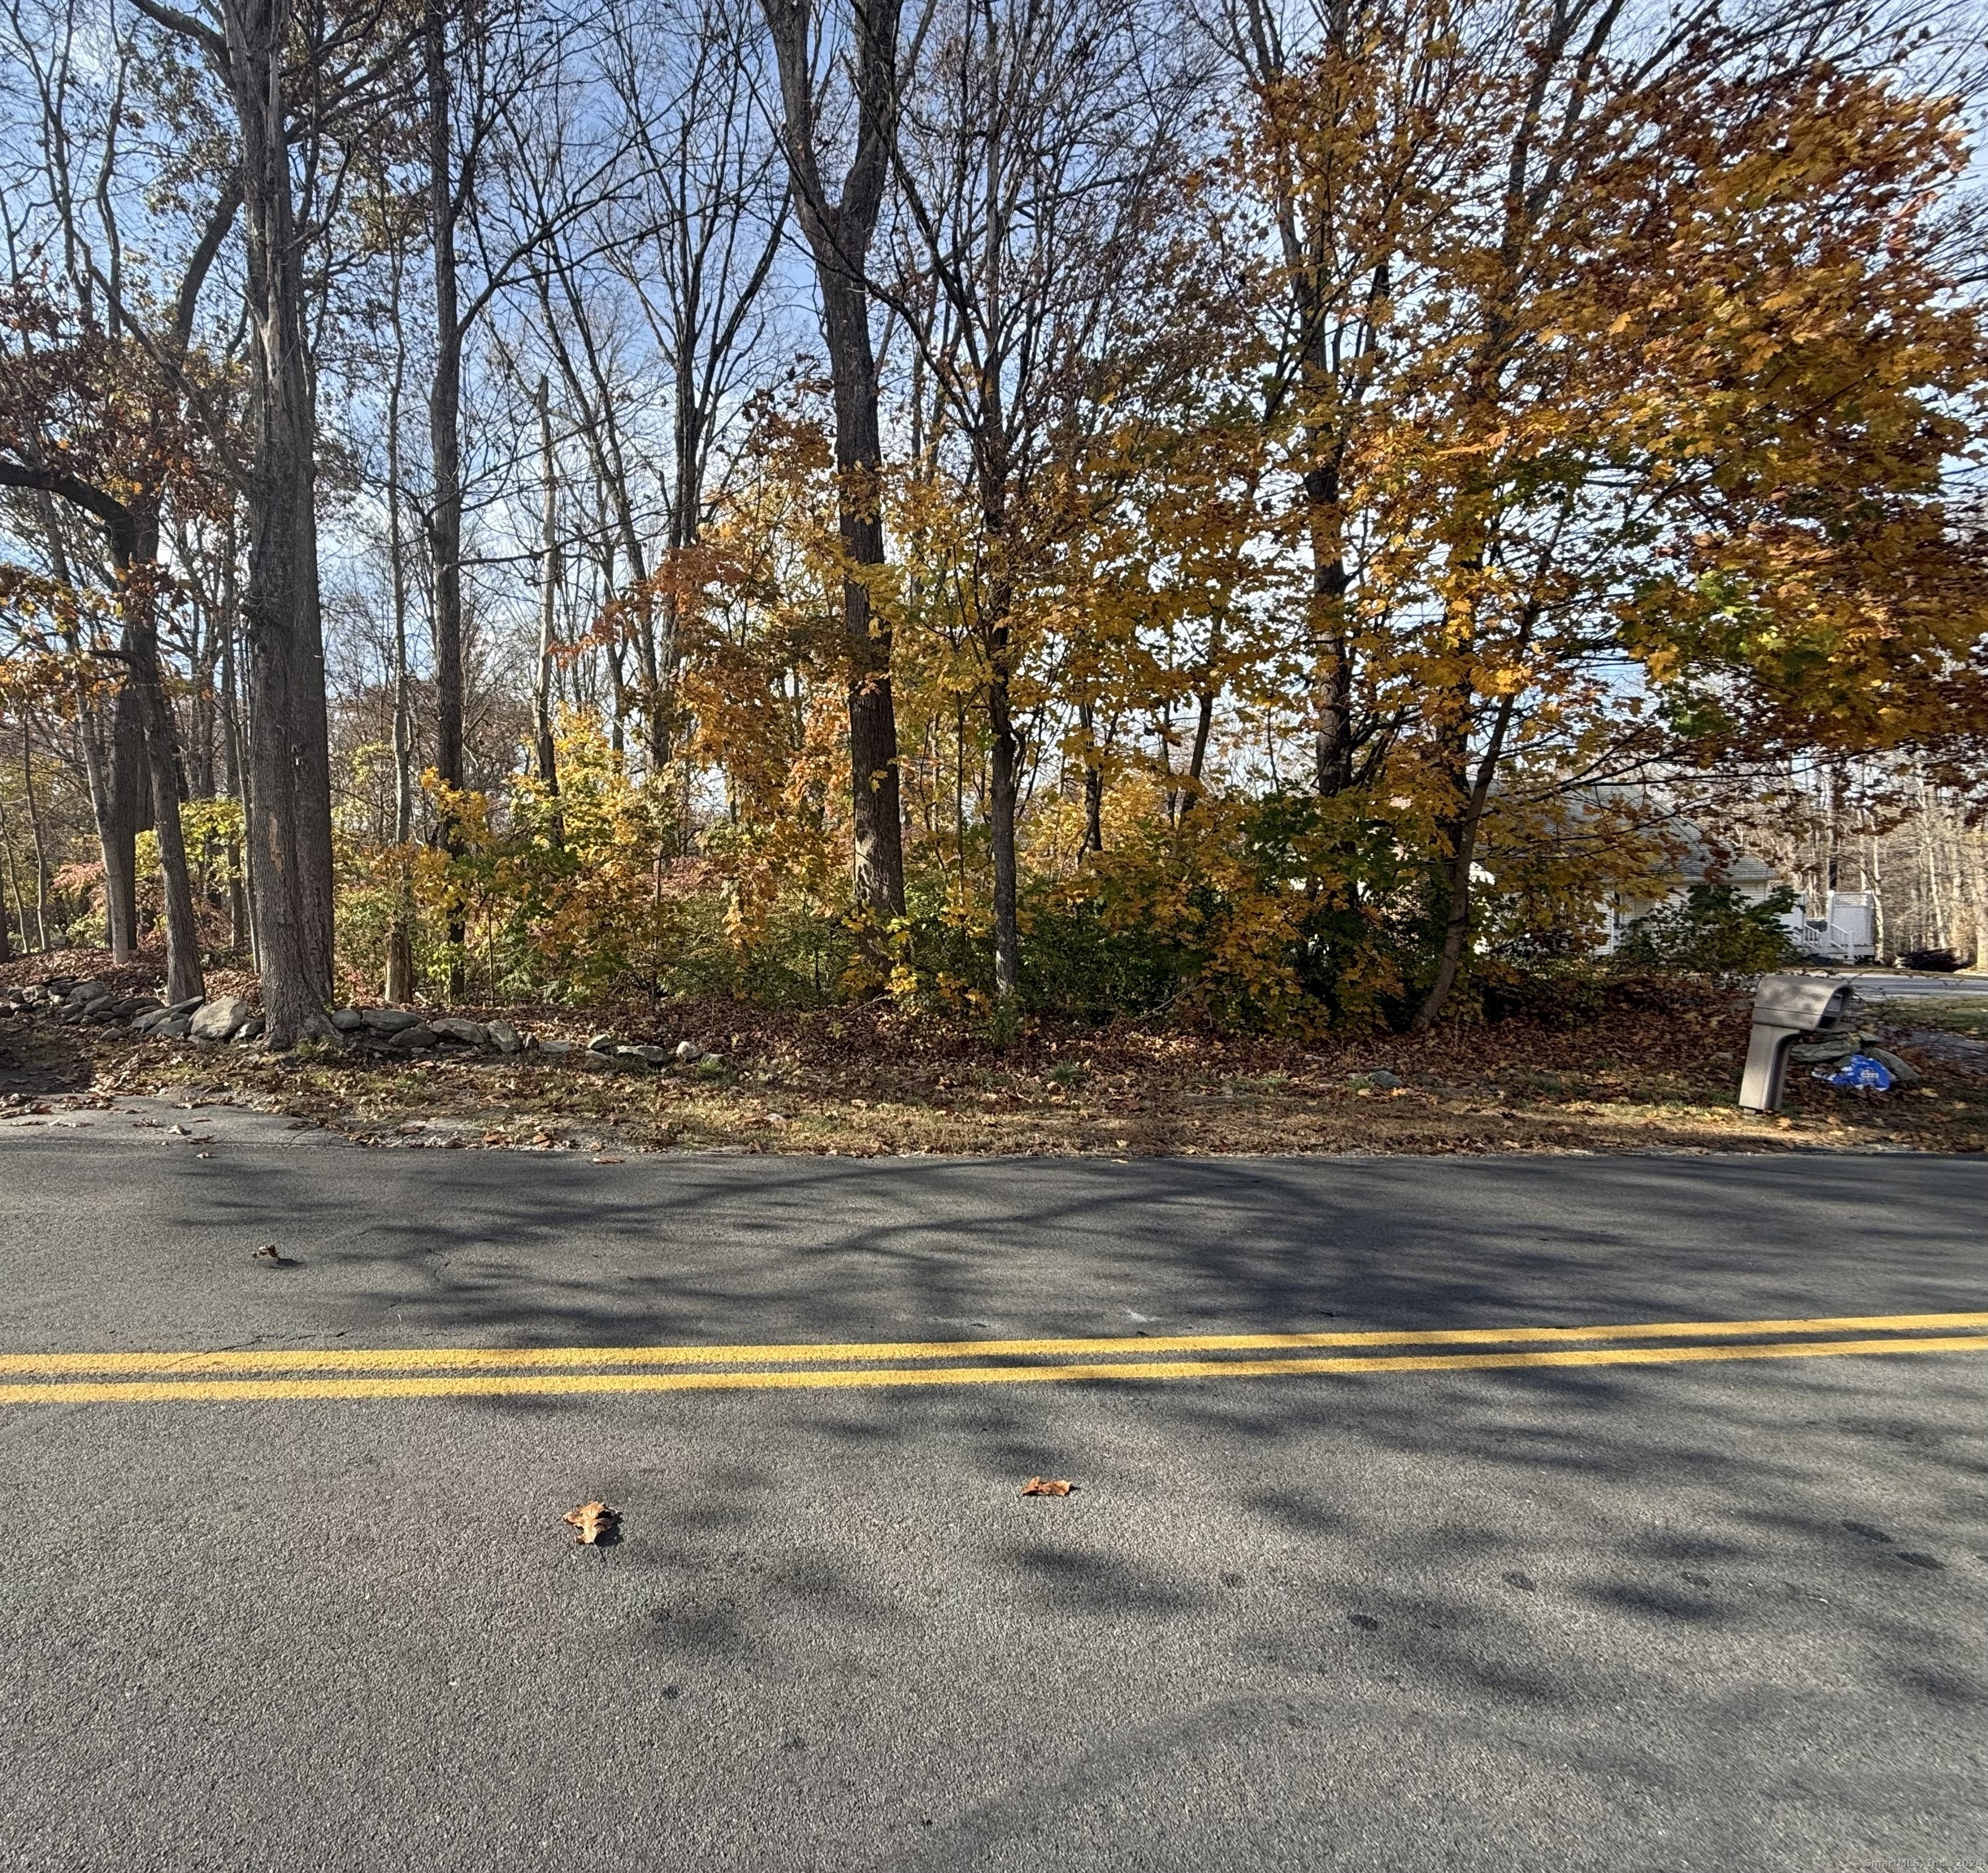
<point x="1274" y="512"/>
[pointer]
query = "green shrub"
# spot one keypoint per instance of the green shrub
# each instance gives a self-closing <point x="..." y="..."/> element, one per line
<point x="1714" y="932"/>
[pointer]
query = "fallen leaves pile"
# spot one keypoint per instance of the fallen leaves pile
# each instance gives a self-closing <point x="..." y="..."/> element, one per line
<point x="1047" y="1486"/>
<point x="1637" y="1065"/>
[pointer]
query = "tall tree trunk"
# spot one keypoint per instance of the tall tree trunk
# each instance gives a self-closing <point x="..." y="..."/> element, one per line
<point x="199" y="756"/>
<point x="399" y="986"/>
<point x="13" y="880"/>
<point x="445" y="444"/>
<point x="1197" y="755"/>
<point x="1093" y="780"/>
<point x="875" y="793"/>
<point x="115" y="776"/>
<point x="1462" y="834"/>
<point x="288" y="764"/>
<point x="548" y="594"/>
<point x="1004" y="752"/>
<point x="1003" y="790"/>
<point x="838" y="235"/>
<point x="234" y="781"/>
<point x="127" y="792"/>
<point x="1331" y="651"/>
<point x="183" y="980"/>
<point x="444" y="406"/>
<point x="34" y="833"/>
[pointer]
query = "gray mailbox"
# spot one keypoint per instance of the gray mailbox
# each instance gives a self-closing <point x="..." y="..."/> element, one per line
<point x="1784" y="1008"/>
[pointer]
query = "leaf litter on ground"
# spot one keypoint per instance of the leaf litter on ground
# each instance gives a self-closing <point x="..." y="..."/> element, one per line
<point x="596" y="1524"/>
<point x="1640" y="1065"/>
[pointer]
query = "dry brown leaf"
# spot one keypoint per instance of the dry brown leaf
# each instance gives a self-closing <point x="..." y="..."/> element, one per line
<point x="1046" y="1486"/>
<point x="595" y="1521"/>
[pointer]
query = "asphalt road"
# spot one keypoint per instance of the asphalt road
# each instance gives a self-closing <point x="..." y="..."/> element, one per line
<point x="1881" y="985"/>
<point x="1725" y="1616"/>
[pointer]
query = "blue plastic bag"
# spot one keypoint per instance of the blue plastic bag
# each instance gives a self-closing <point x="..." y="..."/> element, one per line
<point x="1858" y="1074"/>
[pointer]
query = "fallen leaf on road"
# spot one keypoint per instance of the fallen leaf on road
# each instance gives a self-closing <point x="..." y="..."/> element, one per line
<point x="595" y="1521"/>
<point x="1047" y="1486"/>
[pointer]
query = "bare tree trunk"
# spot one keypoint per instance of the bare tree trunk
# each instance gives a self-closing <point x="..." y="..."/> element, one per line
<point x="183" y="980"/>
<point x="1003" y="789"/>
<point x="288" y="763"/>
<point x="241" y="932"/>
<point x="134" y="539"/>
<point x="13" y="878"/>
<point x="115" y="784"/>
<point x="399" y="986"/>
<point x="34" y="831"/>
<point x="126" y="788"/>
<point x="549" y="593"/>
<point x="444" y="407"/>
<point x="1093" y="780"/>
<point x="200" y="765"/>
<point x="1463" y="836"/>
<point x="1205" y="722"/>
<point x="838" y="235"/>
<point x="873" y="776"/>
<point x="1332" y="664"/>
<point x="446" y="442"/>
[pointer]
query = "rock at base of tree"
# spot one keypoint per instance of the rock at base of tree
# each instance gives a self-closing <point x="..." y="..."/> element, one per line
<point x="147" y="1019"/>
<point x="173" y="1027"/>
<point x="558" y="1050"/>
<point x="188" y="1006"/>
<point x="456" y="1027"/>
<point x="217" y="1020"/>
<point x="503" y="1036"/>
<point x="649" y="1056"/>
<point x="415" y="1039"/>
<point x="389" y="1020"/>
<point x="85" y="992"/>
<point x="347" y="1020"/>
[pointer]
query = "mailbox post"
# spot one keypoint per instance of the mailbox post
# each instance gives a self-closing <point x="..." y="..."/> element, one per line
<point x="1785" y="1007"/>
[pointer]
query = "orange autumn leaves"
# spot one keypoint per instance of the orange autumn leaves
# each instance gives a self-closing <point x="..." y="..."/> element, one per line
<point x="1556" y="423"/>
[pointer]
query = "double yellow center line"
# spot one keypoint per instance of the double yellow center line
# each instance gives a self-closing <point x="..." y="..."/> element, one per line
<point x="335" y="1372"/>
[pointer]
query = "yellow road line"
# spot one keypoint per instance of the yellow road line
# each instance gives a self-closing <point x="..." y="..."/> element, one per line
<point x="459" y="1359"/>
<point x="228" y="1391"/>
